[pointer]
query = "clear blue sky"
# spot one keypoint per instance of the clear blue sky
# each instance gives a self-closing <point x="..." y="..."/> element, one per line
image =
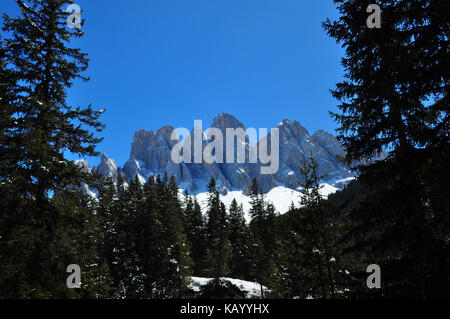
<point x="160" y="62"/>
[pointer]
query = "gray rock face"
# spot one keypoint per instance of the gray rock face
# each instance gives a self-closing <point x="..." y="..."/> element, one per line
<point x="239" y="175"/>
<point x="296" y="144"/>
<point x="151" y="155"/>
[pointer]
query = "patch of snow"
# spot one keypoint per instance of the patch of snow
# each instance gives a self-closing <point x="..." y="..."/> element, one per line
<point x="252" y="289"/>
<point x="196" y="283"/>
<point x="327" y="189"/>
<point x="340" y="183"/>
<point x="142" y="180"/>
<point x="348" y="179"/>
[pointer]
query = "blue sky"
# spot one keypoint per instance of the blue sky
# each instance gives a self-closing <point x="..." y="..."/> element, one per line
<point x="160" y="62"/>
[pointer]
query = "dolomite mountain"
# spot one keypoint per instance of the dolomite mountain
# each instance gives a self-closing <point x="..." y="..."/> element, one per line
<point x="151" y="155"/>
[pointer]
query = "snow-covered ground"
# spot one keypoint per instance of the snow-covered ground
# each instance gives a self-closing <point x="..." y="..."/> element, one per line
<point x="252" y="289"/>
<point x="281" y="197"/>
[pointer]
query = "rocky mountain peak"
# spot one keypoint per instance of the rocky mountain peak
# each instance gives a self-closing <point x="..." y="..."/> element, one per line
<point x="107" y="167"/>
<point x="328" y="142"/>
<point x="226" y="120"/>
<point x="292" y="129"/>
<point x="165" y="132"/>
<point x="322" y="133"/>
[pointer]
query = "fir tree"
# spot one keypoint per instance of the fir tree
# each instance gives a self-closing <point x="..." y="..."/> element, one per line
<point x="8" y="145"/>
<point x="40" y="125"/>
<point x="107" y="197"/>
<point x="217" y="234"/>
<point x="80" y="243"/>
<point x="239" y="240"/>
<point x="395" y="97"/>
<point x="177" y="262"/>
<point x="127" y="265"/>
<point x="313" y="232"/>
<point x="195" y="232"/>
<point x="151" y="239"/>
<point x="264" y="242"/>
<point x="40" y="60"/>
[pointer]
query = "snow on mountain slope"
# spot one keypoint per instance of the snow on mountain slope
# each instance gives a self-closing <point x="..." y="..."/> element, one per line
<point x="252" y="289"/>
<point x="281" y="197"/>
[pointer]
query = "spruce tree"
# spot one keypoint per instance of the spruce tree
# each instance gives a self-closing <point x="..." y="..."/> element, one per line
<point x="264" y="244"/>
<point x="177" y="260"/>
<point x="195" y="232"/>
<point x="39" y="66"/>
<point x="239" y="240"/>
<point x="127" y="265"/>
<point x="8" y="146"/>
<point x="151" y="239"/>
<point x="217" y="234"/>
<point x="44" y="67"/>
<point x="82" y="243"/>
<point x="313" y="234"/>
<point x="395" y="97"/>
<point x="107" y="196"/>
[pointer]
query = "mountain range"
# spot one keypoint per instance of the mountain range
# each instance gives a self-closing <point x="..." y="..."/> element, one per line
<point x="151" y="155"/>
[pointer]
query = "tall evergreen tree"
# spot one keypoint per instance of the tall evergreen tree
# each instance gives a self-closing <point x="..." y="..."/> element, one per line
<point x="151" y="239"/>
<point x="8" y="145"/>
<point x="195" y="231"/>
<point x="263" y="240"/>
<point x="44" y="67"/>
<point x="239" y="239"/>
<point x="127" y="265"/>
<point x="35" y="56"/>
<point x="396" y="97"/>
<point x="313" y="232"/>
<point x="107" y="197"/>
<point x="82" y="244"/>
<point x="218" y="252"/>
<point x="178" y="262"/>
